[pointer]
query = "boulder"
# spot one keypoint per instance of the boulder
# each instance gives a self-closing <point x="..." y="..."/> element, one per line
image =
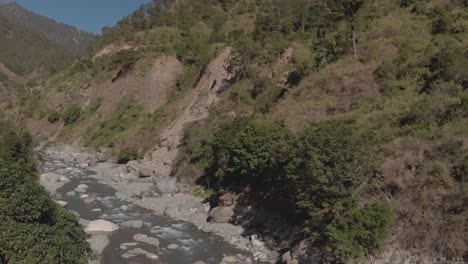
<point x="173" y="246"/>
<point x="227" y="199"/>
<point x="98" y="243"/>
<point x="145" y="172"/>
<point x="101" y="157"/>
<point x="132" y="224"/>
<point x="165" y="184"/>
<point x="139" y="251"/>
<point x="146" y="239"/>
<point x="230" y="259"/>
<point x="89" y="200"/>
<point x="62" y="203"/>
<point x="51" y="181"/>
<point x="81" y="188"/>
<point x="221" y="214"/>
<point x="101" y="226"/>
<point x="71" y="193"/>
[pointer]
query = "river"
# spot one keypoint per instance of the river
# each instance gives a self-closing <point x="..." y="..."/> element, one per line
<point x="178" y="242"/>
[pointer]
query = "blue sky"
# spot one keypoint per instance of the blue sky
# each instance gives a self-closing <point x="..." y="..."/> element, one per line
<point x="90" y="15"/>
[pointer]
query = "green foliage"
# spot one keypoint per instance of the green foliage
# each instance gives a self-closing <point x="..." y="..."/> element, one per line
<point x="328" y="163"/>
<point x="72" y="114"/>
<point x="359" y="229"/>
<point x="34" y="229"/>
<point x="128" y="154"/>
<point x="245" y="151"/>
<point x="126" y="115"/>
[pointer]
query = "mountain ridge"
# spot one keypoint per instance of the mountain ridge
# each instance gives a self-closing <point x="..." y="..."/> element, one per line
<point x="68" y="37"/>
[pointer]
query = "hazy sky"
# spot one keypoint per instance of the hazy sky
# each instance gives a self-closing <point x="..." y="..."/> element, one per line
<point x="90" y="15"/>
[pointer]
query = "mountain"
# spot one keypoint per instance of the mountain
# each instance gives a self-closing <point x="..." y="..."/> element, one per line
<point x="334" y="131"/>
<point x="70" y="38"/>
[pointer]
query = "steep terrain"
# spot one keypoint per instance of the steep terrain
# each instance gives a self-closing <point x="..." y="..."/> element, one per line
<point x="32" y="43"/>
<point x="334" y="130"/>
<point x="71" y="39"/>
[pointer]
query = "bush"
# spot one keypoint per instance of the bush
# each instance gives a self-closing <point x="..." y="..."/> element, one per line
<point x="245" y="151"/>
<point x="127" y="155"/>
<point x="359" y="230"/>
<point x="328" y="162"/>
<point x="53" y="117"/>
<point x="33" y="228"/>
<point x="72" y="115"/>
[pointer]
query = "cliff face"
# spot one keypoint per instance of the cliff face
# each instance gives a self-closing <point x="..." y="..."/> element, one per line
<point x="168" y="85"/>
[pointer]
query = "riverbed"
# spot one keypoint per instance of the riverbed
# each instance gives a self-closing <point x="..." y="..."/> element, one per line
<point x="166" y="240"/>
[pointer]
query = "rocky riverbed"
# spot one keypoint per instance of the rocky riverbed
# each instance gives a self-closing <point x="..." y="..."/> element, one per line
<point x="136" y="217"/>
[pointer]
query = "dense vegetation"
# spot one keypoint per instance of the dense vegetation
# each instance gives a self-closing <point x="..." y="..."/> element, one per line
<point x="33" y="229"/>
<point x="361" y="129"/>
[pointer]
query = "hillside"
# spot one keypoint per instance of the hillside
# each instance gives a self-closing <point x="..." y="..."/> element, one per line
<point x="69" y="38"/>
<point x="335" y="130"/>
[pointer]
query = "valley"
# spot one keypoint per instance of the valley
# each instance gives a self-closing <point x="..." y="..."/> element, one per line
<point x="242" y="131"/>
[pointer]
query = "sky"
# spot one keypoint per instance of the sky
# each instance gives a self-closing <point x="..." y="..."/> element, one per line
<point x="90" y="15"/>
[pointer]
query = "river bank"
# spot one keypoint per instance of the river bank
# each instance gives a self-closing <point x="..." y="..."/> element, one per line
<point x="68" y="170"/>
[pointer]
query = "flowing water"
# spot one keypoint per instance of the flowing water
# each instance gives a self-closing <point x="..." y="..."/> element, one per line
<point x="188" y="244"/>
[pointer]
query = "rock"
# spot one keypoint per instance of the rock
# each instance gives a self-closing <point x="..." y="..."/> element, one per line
<point x="145" y="172"/>
<point x="286" y="257"/>
<point x="132" y="224"/>
<point x="101" y="157"/>
<point x="96" y="210"/>
<point x="101" y="226"/>
<point x="89" y="200"/>
<point x="98" y="243"/>
<point x="64" y="179"/>
<point x="165" y="185"/>
<point x="221" y="214"/>
<point x="255" y="242"/>
<point x="146" y="193"/>
<point x="229" y="259"/>
<point x="124" y="207"/>
<point x="227" y="199"/>
<point x="199" y="262"/>
<point x="81" y="188"/>
<point x="62" y="203"/>
<point x="146" y="239"/>
<point x="139" y="251"/>
<point x="84" y="196"/>
<point x="173" y="246"/>
<point x="124" y="194"/>
<point x="51" y="182"/>
<point x="71" y="193"/>
<point x="128" y="255"/>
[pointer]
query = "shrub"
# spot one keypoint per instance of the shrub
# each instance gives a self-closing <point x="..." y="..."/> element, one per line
<point x="33" y="228"/>
<point x="72" y="115"/>
<point x="245" y="151"/>
<point x="128" y="154"/>
<point x="127" y="114"/>
<point x="53" y="117"/>
<point x="359" y="230"/>
<point x="329" y="161"/>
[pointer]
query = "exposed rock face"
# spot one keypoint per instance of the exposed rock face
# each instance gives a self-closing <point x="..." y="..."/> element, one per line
<point x="214" y="79"/>
<point x="98" y="226"/>
<point x="221" y="214"/>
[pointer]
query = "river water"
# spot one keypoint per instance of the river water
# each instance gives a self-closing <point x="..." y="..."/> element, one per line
<point x="188" y="244"/>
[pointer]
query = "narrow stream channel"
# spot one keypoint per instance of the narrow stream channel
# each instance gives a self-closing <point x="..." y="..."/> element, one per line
<point x="179" y="242"/>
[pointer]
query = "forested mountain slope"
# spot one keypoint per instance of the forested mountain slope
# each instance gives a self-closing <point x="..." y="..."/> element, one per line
<point x="71" y="39"/>
<point x="346" y="119"/>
